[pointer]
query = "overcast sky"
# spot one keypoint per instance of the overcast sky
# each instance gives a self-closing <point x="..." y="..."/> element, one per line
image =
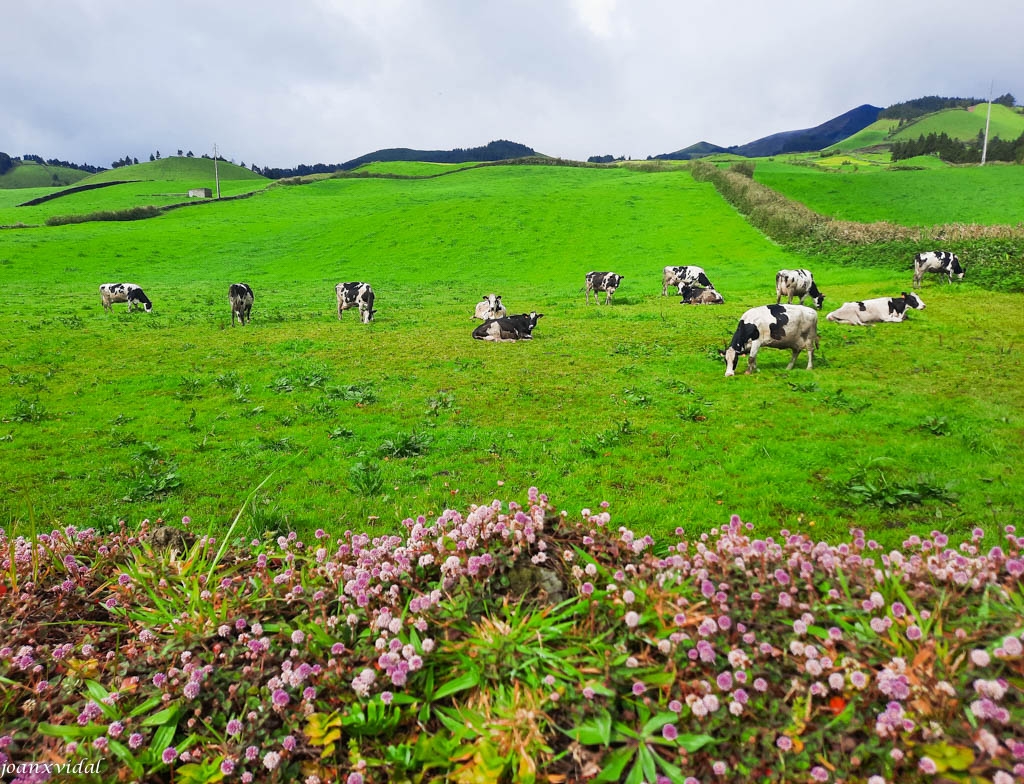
<point x="282" y="83"/>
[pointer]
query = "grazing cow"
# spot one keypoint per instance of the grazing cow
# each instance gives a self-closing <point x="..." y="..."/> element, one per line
<point x="873" y="311"/>
<point x="695" y="295"/>
<point x="941" y="261"/>
<point x="356" y="295"/>
<point x="681" y="276"/>
<point x="797" y="283"/>
<point x="124" y="292"/>
<point x="602" y="281"/>
<point x="776" y="326"/>
<point x="509" y="328"/>
<point x="490" y="308"/>
<point x="241" y="298"/>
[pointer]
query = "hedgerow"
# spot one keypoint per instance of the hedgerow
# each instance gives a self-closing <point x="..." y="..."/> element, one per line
<point x="511" y="643"/>
<point x="993" y="255"/>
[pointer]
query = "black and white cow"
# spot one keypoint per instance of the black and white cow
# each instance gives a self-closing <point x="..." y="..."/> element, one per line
<point x="683" y="276"/>
<point x="125" y="292"/>
<point x="490" y="308"/>
<point x="602" y="281"/>
<point x="874" y="311"/>
<point x="508" y="328"/>
<point x="695" y="295"/>
<point x="940" y="261"/>
<point x="797" y="283"/>
<point x="356" y="295"/>
<point x="241" y="298"/>
<point x="775" y="326"/>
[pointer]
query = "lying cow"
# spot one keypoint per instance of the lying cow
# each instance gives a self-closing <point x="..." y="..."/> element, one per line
<point x="939" y="261"/>
<point x="125" y="292"/>
<point x="241" y="298"/>
<point x="683" y="276"/>
<point x="775" y="326"/>
<point x="602" y="281"/>
<point x="508" y="328"/>
<point x="797" y="283"/>
<point x="695" y="295"/>
<point x="874" y="311"/>
<point x="356" y="295"/>
<point x="490" y="308"/>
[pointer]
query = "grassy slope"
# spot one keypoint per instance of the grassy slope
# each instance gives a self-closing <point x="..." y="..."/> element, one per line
<point x="29" y="174"/>
<point x="965" y="125"/>
<point x="986" y="195"/>
<point x="177" y="169"/>
<point x="623" y="403"/>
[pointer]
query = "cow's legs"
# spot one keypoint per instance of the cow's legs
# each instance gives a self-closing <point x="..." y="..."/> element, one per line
<point x="792" y="361"/>
<point x="752" y="360"/>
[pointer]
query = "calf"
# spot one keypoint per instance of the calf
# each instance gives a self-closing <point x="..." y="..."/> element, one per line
<point x="776" y="326"/>
<point x="356" y="295"/>
<point x="124" y="292"/>
<point x="695" y="295"/>
<point x="602" y="281"/>
<point x="490" y="308"/>
<point x="680" y="276"/>
<point x="941" y="261"/>
<point x="508" y="328"/>
<point x="874" y="311"/>
<point x="241" y="298"/>
<point x="797" y="283"/>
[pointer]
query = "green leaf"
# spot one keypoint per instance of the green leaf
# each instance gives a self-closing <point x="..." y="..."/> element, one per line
<point x="125" y="755"/>
<point x="467" y="681"/>
<point x="71" y="731"/>
<point x="145" y="707"/>
<point x="657" y="723"/>
<point x="614" y="764"/>
<point x="595" y="731"/>
<point x="694" y="742"/>
<point x="166" y="716"/>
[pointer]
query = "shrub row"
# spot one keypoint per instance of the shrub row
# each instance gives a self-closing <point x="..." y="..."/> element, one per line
<point x="994" y="255"/>
<point x="135" y="213"/>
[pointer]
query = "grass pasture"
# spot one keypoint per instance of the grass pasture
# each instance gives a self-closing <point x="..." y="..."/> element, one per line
<point x="985" y="195"/>
<point x="125" y="416"/>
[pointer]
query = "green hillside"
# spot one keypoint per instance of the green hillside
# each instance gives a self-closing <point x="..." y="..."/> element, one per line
<point x="960" y="124"/>
<point x="965" y="125"/>
<point x="29" y="174"/>
<point x="176" y="169"/>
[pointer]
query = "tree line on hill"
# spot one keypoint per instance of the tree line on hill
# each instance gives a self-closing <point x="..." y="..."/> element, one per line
<point x="8" y="162"/>
<point x="918" y="107"/>
<point x="956" y="151"/>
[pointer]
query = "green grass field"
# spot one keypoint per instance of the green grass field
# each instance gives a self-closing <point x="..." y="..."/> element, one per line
<point x="971" y="194"/>
<point x="110" y="415"/>
<point x="966" y="125"/>
<point x="29" y="174"/>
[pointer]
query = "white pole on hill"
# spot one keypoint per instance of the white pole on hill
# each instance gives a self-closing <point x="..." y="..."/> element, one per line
<point x="988" y="119"/>
<point x="216" y="175"/>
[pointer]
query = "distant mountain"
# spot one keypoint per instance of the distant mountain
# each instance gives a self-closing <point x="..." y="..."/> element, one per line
<point x="811" y="139"/>
<point x="698" y="150"/>
<point x="494" y="151"/>
<point x="806" y="140"/>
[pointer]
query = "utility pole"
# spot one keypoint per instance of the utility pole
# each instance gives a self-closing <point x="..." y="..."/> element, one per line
<point x="988" y="119"/>
<point x="216" y="176"/>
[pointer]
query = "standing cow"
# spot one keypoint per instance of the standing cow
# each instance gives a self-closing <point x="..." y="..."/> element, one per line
<point x="490" y="308"/>
<point x="602" y="281"/>
<point x="683" y="276"/>
<point x="775" y="326"/>
<point x="125" y="292"/>
<point x="874" y="311"/>
<point x="356" y="295"/>
<point x="939" y="261"/>
<point x="509" y="328"/>
<point x="241" y="298"/>
<point x="797" y="283"/>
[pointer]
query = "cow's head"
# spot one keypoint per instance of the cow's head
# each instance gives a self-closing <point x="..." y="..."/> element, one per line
<point x="534" y="318"/>
<point x="148" y="306"/>
<point x="955" y="268"/>
<point x="367" y="315"/>
<point x="745" y="334"/>
<point x="913" y="301"/>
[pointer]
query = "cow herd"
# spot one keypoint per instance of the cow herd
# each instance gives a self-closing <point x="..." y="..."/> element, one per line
<point x="789" y="326"/>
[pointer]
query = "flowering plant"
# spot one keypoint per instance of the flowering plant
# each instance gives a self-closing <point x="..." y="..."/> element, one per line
<point x="513" y="643"/>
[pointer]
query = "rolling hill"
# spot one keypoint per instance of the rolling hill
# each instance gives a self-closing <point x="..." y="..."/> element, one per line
<point x="30" y="174"/>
